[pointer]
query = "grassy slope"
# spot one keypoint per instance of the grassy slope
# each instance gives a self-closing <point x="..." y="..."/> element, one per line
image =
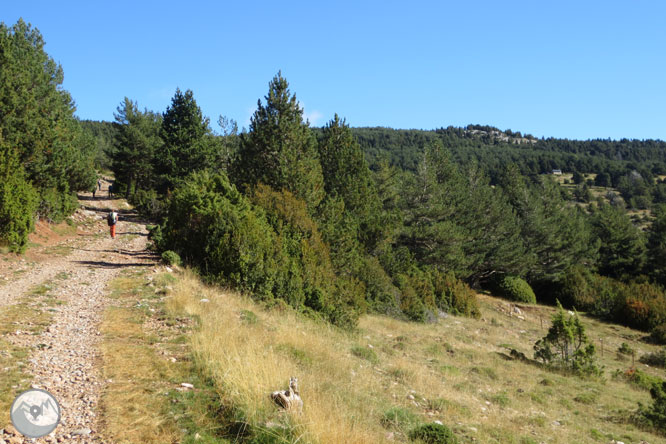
<point x="374" y="385"/>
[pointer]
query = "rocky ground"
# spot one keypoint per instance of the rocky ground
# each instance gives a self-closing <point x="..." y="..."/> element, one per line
<point x="65" y="357"/>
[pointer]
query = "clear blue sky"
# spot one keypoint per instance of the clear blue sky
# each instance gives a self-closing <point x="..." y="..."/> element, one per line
<point x="575" y="69"/>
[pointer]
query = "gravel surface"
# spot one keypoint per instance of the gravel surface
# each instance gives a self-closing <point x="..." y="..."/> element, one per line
<point x="67" y="359"/>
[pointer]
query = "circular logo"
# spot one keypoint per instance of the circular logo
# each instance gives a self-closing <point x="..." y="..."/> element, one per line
<point x="35" y="413"/>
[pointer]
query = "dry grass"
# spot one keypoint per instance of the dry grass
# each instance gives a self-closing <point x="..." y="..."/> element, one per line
<point x="26" y="317"/>
<point x="133" y="403"/>
<point x="457" y="371"/>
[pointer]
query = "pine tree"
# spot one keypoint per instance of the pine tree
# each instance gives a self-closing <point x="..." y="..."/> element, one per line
<point x="37" y="121"/>
<point x="622" y="253"/>
<point x="555" y="235"/>
<point x="136" y="140"/>
<point x="188" y="145"/>
<point x="657" y="245"/>
<point x="280" y="150"/>
<point x="346" y="175"/>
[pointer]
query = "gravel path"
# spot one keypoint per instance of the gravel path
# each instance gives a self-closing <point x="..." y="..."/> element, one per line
<point x="66" y="363"/>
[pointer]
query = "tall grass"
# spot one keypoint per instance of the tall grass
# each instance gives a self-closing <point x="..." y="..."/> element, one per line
<point x="458" y="372"/>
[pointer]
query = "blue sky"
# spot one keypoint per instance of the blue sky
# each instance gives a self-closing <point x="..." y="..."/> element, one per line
<point x="575" y="69"/>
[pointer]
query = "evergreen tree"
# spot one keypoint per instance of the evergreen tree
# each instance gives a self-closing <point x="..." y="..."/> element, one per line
<point x="556" y="236"/>
<point x="18" y="201"/>
<point x="188" y="143"/>
<point x="623" y="247"/>
<point x="457" y="222"/>
<point x="37" y="121"/>
<point x="657" y="245"/>
<point x="280" y="150"/>
<point x="566" y="345"/>
<point x="136" y="140"/>
<point x="346" y="175"/>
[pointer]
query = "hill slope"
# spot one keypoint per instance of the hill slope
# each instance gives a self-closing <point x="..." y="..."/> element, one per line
<point x="376" y="384"/>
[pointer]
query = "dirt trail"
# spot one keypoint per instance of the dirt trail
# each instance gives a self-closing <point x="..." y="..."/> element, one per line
<point x="65" y="357"/>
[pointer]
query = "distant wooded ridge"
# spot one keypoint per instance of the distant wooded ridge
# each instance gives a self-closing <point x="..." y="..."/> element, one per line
<point x="493" y="149"/>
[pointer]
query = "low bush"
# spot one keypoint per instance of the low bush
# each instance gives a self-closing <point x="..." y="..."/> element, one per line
<point x="455" y="296"/>
<point x="566" y="345"/>
<point x="625" y="349"/>
<point x="56" y="204"/>
<point x="433" y="433"/>
<point x="148" y="203"/>
<point x="171" y="258"/>
<point x="655" y="414"/>
<point x="656" y="359"/>
<point x="641" y="379"/>
<point x="658" y="334"/>
<point x="18" y="204"/>
<point x="383" y="296"/>
<point x="514" y="288"/>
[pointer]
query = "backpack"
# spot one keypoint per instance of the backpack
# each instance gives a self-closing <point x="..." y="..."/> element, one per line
<point x="112" y="218"/>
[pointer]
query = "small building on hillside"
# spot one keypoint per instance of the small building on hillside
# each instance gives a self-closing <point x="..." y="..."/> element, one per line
<point x="557" y="172"/>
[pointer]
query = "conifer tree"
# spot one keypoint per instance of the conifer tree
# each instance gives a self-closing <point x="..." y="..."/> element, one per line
<point x="622" y="253"/>
<point x="37" y="121"/>
<point x="136" y="140"/>
<point x="280" y="149"/>
<point x="346" y="175"/>
<point x="187" y="141"/>
<point x="657" y="245"/>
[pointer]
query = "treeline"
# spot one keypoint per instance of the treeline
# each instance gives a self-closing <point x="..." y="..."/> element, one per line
<point x="297" y="215"/>
<point x="45" y="156"/>
<point x="631" y="166"/>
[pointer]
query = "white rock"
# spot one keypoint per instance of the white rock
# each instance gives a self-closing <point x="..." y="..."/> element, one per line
<point x="204" y="300"/>
<point x="187" y="385"/>
<point x="83" y="431"/>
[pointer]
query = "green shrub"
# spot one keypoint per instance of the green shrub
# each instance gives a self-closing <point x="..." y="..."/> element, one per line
<point x="383" y="296"/>
<point x="655" y="414"/>
<point x="656" y="359"/>
<point x="455" y="296"/>
<point x="641" y="379"/>
<point x="433" y="433"/>
<point x="171" y="258"/>
<point x="625" y="349"/>
<point x="212" y="226"/>
<point x="18" y="204"/>
<point x="516" y="289"/>
<point x="148" y="203"/>
<point x="658" y="334"/>
<point x="644" y="306"/>
<point x="566" y="345"/>
<point x="56" y="204"/>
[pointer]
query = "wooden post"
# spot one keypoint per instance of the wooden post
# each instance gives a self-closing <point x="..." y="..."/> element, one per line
<point x="601" y="340"/>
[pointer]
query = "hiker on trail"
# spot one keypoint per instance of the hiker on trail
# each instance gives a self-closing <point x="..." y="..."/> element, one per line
<point x="112" y="219"/>
<point x="110" y="189"/>
<point x="99" y="184"/>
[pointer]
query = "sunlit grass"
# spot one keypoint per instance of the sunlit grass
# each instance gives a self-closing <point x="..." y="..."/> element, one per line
<point x="457" y="371"/>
